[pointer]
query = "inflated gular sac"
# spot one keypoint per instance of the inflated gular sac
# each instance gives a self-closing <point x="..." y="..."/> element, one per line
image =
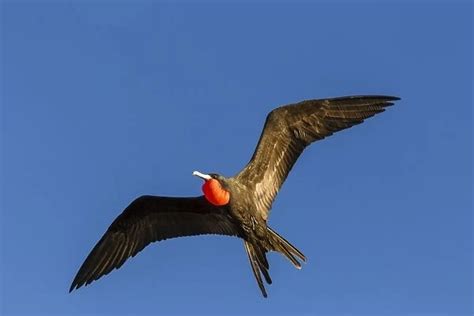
<point x="214" y="193"/>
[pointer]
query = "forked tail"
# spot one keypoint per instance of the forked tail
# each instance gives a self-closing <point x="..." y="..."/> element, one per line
<point x="282" y="245"/>
<point x="258" y="262"/>
<point x="258" y="258"/>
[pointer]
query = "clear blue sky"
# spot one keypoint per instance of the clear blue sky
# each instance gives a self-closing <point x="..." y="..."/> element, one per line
<point x="104" y="102"/>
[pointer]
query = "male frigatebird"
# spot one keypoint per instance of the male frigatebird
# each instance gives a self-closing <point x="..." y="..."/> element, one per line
<point x="236" y="206"/>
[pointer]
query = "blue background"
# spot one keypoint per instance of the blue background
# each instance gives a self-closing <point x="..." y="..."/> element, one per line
<point x="103" y="102"/>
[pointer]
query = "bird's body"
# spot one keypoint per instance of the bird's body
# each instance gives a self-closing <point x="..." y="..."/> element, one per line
<point x="234" y="206"/>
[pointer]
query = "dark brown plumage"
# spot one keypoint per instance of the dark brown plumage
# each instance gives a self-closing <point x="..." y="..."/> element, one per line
<point x="287" y="132"/>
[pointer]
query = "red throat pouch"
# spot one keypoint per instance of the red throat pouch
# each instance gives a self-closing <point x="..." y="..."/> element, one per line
<point x="214" y="193"/>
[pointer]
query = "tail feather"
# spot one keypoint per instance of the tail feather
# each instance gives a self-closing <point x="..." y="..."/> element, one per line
<point x="262" y="263"/>
<point x="290" y="257"/>
<point x="281" y="245"/>
<point x="258" y="258"/>
<point x="261" y="257"/>
<point x="257" y="267"/>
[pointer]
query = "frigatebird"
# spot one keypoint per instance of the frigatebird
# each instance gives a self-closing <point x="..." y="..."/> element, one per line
<point x="233" y="206"/>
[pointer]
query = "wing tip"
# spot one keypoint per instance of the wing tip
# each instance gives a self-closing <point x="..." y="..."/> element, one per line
<point x="74" y="286"/>
<point x="386" y="97"/>
<point x="390" y="100"/>
<point x="381" y="97"/>
<point x="375" y="96"/>
<point x="77" y="284"/>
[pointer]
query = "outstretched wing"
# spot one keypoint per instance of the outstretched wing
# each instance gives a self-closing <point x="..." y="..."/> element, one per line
<point x="149" y="219"/>
<point x="289" y="129"/>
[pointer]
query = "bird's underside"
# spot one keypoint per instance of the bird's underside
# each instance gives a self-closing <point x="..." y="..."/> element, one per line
<point x="236" y="206"/>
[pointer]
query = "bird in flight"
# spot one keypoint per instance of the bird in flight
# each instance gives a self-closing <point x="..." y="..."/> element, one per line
<point x="234" y="206"/>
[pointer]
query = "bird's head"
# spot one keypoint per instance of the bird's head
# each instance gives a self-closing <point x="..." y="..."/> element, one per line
<point x="214" y="188"/>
